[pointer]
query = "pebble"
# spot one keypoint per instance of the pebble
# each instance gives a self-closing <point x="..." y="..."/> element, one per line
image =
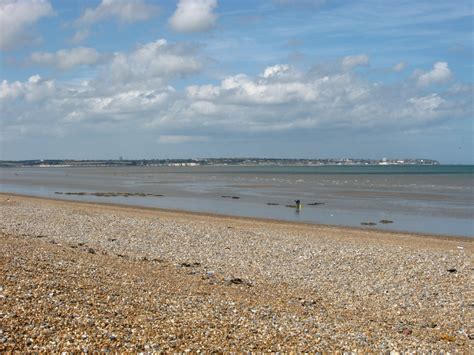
<point x="314" y="288"/>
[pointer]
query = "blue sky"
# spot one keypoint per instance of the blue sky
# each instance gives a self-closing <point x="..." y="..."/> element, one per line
<point x="210" y="78"/>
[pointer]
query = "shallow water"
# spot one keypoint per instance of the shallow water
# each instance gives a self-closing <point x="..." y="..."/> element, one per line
<point x="427" y="199"/>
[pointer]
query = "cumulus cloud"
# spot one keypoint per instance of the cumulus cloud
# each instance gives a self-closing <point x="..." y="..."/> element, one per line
<point x="65" y="59"/>
<point x="34" y="89"/>
<point x="193" y="16"/>
<point x="123" y="10"/>
<point x="155" y="60"/>
<point x="135" y="91"/>
<point x="439" y="74"/>
<point x="16" y="16"/>
<point x="305" y="100"/>
<point x="275" y="70"/>
<point x="352" y="61"/>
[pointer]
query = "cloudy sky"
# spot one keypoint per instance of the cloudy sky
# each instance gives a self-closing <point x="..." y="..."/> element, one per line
<point x="90" y="79"/>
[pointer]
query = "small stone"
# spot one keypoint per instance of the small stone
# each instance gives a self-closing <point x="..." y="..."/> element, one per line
<point x="406" y="331"/>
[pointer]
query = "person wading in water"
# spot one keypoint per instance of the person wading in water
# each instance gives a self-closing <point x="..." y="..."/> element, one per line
<point x="298" y="204"/>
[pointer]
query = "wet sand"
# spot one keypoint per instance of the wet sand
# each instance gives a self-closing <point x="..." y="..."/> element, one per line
<point x="78" y="276"/>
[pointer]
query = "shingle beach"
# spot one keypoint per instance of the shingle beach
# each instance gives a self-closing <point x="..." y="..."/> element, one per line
<point x="89" y="277"/>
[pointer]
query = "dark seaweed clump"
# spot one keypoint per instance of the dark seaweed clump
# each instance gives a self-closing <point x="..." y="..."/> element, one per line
<point x="109" y="194"/>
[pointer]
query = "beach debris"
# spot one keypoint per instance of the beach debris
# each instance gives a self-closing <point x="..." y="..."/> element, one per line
<point x="112" y="239"/>
<point x="430" y="325"/>
<point x="385" y="221"/>
<point x="91" y="251"/>
<point x="452" y="270"/>
<point x="315" y="203"/>
<point x="306" y="303"/>
<point x="368" y="224"/>
<point x="236" y="281"/>
<point x="232" y="197"/>
<point x="190" y="264"/>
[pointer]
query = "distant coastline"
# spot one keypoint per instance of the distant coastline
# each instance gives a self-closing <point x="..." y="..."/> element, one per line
<point x="214" y="162"/>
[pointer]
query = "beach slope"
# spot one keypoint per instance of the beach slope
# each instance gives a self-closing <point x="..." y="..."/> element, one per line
<point x="83" y="276"/>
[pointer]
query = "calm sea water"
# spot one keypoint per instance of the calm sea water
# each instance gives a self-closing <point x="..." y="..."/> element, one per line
<point x="428" y="199"/>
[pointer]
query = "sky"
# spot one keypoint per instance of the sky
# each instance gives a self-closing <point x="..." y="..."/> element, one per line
<point x="143" y="79"/>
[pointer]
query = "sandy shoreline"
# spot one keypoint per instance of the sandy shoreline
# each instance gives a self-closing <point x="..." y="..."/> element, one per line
<point x="146" y="279"/>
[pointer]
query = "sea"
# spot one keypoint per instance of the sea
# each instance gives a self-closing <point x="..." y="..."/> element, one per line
<point x="432" y="199"/>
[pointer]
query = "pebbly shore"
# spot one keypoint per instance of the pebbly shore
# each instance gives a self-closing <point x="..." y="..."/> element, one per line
<point x="89" y="277"/>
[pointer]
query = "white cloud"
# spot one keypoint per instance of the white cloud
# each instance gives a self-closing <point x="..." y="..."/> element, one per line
<point x="154" y="60"/>
<point x="399" y="67"/>
<point x="17" y="16"/>
<point x="439" y="74"/>
<point x="66" y="59"/>
<point x="275" y="70"/>
<point x="204" y="92"/>
<point x="34" y="89"/>
<point x="175" y="139"/>
<point x="194" y="16"/>
<point x="352" y="61"/>
<point x="427" y="105"/>
<point x="134" y="92"/>
<point x="301" y="101"/>
<point x="123" y="10"/>
<point x="80" y="36"/>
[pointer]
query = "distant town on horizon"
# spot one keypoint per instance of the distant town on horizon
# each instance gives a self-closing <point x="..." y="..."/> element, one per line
<point x="212" y="162"/>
